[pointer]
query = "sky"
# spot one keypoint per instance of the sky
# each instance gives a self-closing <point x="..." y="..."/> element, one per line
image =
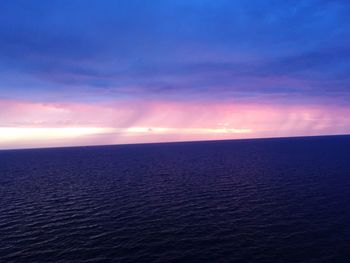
<point x="95" y="72"/>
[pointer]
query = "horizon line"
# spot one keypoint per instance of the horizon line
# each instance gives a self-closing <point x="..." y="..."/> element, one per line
<point x="174" y="142"/>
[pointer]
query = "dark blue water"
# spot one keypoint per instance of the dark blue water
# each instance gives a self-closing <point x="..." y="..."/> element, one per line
<point x="274" y="200"/>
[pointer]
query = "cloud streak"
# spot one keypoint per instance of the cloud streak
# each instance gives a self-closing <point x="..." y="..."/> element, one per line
<point x="276" y="68"/>
<point x="117" y="123"/>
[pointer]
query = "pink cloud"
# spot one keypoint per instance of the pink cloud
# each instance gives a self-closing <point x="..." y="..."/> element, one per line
<point x="155" y="121"/>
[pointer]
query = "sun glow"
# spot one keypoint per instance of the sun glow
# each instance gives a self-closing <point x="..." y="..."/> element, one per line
<point x="16" y="133"/>
<point x="26" y="124"/>
<point x="22" y="133"/>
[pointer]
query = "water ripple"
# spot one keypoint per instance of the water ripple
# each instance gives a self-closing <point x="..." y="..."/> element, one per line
<point x="281" y="200"/>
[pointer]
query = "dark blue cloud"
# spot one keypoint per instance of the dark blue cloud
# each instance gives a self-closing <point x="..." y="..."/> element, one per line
<point x="175" y="49"/>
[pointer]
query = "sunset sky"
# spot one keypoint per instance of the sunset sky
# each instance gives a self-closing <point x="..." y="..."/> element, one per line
<point x="90" y="72"/>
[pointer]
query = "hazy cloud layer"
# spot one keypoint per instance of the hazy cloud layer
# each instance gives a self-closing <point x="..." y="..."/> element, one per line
<point x="175" y="49"/>
<point x="120" y="71"/>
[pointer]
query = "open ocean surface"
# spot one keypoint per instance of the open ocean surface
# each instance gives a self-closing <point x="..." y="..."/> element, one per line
<point x="267" y="200"/>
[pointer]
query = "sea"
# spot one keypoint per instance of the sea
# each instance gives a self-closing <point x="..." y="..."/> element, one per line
<point x="258" y="200"/>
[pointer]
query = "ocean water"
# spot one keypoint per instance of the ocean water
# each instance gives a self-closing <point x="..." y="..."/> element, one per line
<point x="270" y="200"/>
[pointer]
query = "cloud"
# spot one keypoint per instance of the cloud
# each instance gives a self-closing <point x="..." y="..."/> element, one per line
<point x="272" y="67"/>
<point x="175" y="49"/>
<point x="30" y="123"/>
